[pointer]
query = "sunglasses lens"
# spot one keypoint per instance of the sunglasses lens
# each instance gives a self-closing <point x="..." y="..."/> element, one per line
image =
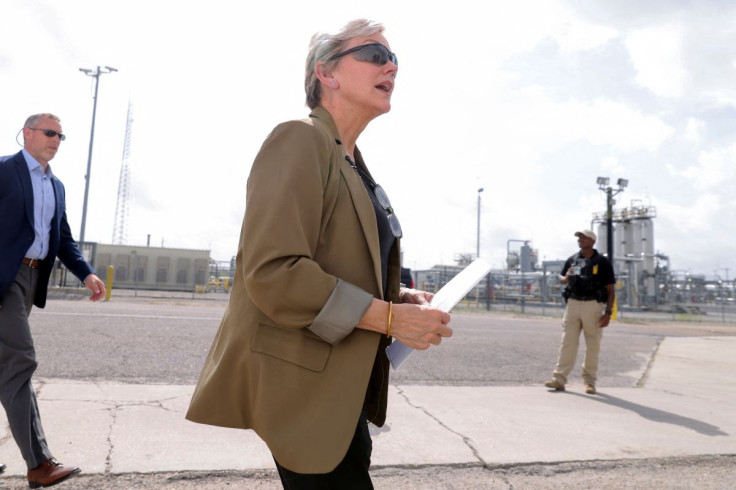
<point x="377" y="54"/>
<point x="393" y="221"/>
<point x="373" y="54"/>
<point x="382" y="197"/>
<point x="50" y="134"/>
<point x="383" y="200"/>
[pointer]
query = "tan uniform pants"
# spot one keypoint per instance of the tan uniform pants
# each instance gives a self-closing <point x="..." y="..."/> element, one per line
<point x="580" y="316"/>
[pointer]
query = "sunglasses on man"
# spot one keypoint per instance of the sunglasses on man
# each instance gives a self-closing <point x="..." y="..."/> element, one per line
<point x="50" y="133"/>
<point x="375" y="53"/>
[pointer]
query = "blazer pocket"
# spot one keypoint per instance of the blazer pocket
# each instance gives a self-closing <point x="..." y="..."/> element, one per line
<point x="293" y="346"/>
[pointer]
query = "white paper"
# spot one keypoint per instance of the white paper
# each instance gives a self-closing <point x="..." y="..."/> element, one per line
<point x="445" y="299"/>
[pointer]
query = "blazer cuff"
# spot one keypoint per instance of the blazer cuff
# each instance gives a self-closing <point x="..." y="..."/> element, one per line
<point x="344" y="308"/>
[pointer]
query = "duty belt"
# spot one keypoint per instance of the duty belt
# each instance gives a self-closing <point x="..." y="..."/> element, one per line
<point x="582" y="297"/>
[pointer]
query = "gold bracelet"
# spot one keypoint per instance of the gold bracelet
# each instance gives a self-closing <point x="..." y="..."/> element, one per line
<point x="390" y="316"/>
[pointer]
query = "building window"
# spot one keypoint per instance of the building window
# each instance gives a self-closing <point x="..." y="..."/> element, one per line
<point x="103" y="263"/>
<point x="200" y="271"/>
<point x="122" y="266"/>
<point x="162" y="269"/>
<point x="182" y="270"/>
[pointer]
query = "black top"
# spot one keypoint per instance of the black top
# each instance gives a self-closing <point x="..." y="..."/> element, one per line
<point x="385" y="235"/>
<point x="594" y="274"/>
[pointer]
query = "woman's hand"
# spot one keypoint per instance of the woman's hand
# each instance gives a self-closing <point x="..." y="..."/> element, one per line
<point x="419" y="325"/>
<point x="414" y="323"/>
<point x="415" y="296"/>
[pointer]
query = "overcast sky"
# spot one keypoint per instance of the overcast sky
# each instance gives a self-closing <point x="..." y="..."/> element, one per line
<point x="531" y="100"/>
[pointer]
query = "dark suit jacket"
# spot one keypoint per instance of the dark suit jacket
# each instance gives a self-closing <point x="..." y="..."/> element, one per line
<point x="17" y="232"/>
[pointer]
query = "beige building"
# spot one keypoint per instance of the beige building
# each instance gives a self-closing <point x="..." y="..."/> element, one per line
<point x="141" y="267"/>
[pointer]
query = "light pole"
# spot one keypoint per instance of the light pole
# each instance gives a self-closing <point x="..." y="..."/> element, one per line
<point x="477" y="243"/>
<point x="610" y="192"/>
<point x="134" y="253"/>
<point x="96" y="75"/>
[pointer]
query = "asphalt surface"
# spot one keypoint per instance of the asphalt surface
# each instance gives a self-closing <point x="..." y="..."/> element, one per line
<point x="115" y="377"/>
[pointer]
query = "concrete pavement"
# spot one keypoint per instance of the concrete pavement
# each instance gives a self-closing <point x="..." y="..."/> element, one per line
<point x="685" y="407"/>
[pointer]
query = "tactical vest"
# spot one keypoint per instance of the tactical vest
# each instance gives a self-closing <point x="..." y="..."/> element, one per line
<point x="587" y="285"/>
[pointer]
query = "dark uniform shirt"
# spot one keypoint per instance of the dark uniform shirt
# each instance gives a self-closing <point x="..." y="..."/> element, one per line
<point x="591" y="277"/>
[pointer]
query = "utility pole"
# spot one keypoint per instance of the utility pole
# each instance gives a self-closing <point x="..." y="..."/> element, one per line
<point x="609" y="223"/>
<point x="610" y="192"/>
<point x="477" y="243"/>
<point x="96" y="75"/>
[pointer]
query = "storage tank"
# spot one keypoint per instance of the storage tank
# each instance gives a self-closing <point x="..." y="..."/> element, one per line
<point x="526" y="258"/>
<point x="648" y="266"/>
<point x="602" y="243"/>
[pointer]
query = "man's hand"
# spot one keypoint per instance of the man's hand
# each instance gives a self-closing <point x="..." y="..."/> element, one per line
<point x="605" y="319"/>
<point x="95" y="285"/>
<point x="566" y="278"/>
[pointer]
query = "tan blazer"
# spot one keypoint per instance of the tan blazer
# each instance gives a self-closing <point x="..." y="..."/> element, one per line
<point x="287" y="361"/>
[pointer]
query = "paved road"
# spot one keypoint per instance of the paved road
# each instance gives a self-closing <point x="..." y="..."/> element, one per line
<point x="163" y="343"/>
<point x="150" y="340"/>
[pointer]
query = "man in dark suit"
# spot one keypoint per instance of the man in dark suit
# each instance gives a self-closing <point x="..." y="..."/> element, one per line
<point x="33" y="232"/>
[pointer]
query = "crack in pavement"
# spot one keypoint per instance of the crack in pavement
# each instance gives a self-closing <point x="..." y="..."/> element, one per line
<point x="645" y="375"/>
<point x="466" y="440"/>
<point x="110" y="445"/>
<point x="113" y="409"/>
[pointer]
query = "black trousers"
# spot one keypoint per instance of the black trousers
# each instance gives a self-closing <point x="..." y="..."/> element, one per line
<point x="351" y="473"/>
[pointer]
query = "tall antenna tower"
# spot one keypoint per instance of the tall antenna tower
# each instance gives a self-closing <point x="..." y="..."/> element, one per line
<point x="120" y="232"/>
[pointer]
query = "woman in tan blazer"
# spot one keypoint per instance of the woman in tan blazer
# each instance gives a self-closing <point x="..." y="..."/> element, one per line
<point x="300" y="353"/>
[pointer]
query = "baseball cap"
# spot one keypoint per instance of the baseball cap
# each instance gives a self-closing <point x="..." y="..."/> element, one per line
<point x="587" y="233"/>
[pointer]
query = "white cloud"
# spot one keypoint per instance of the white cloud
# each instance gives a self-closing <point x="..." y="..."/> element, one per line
<point x="657" y="56"/>
<point x="573" y="34"/>
<point x="694" y="130"/>
<point x="619" y="125"/>
<point x="714" y="168"/>
<point x="551" y="123"/>
<point x="694" y="217"/>
<point x="611" y="165"/>
<point x="210" y="86"/>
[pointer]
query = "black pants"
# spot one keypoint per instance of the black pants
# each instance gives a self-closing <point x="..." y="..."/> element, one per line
<point x="351" y="473"/>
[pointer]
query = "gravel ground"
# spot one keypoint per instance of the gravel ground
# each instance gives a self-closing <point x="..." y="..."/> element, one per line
<point x="698" y="472"/>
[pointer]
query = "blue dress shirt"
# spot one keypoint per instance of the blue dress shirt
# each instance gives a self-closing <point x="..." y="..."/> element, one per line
<point x="44" y="205"/>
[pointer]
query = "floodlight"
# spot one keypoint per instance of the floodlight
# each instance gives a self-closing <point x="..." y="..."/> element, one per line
<point x="603" y="180"/>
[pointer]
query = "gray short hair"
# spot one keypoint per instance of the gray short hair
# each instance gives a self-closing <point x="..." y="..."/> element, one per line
<point x="323" y="46"/>
<point x="32" y="120"/>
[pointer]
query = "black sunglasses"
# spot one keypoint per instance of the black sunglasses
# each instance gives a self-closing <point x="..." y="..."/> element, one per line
<point x="375" y="53"/>
<point x="50" y="133"/>
<point x="381" y="197"/>
<point x="383" y="200"/>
